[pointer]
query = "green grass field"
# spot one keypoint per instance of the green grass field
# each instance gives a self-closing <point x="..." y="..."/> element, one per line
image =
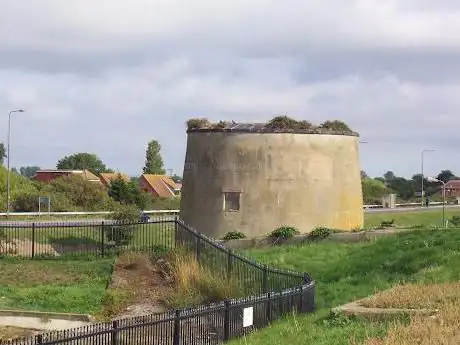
<point x="345" y="272"/>
<point x="74" y="286"/>
<point x="427" y="217"/>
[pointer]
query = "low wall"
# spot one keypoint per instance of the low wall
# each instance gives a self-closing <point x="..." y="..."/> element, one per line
<point x="379" y="314"/>
<point x="43" y="321"/>
<point x="339" y="237"/>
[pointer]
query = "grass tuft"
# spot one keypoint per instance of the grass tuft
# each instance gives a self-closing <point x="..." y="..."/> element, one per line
<point x="194" y="284"/>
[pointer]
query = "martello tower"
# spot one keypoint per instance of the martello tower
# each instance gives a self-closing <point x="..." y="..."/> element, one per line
<point x="255" y="177"/>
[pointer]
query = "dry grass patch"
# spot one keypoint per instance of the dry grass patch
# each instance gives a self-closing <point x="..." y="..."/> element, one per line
<point x="144" y="284"/>
<point x="415" y="296"/>
<point x="193" y="283"/>
<point x="444" y="328"/>
<point x="9" y="333"/>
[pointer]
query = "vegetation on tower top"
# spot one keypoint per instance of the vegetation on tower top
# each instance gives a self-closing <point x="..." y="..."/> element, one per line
<point x="277" y="124"/>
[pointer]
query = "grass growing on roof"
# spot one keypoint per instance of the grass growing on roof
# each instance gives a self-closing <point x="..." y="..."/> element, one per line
<point x="346" y="272"/>
<point x="71" y="286"/>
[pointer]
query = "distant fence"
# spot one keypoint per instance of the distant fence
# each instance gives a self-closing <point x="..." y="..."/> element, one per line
<point x="271" y="293"/>
<point x="72" y="214"/>
<point x="160" y="212"/>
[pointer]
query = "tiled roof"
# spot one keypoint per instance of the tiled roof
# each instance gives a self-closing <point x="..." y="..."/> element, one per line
<point x="163" y="185"/>
<point x="107" y="178"/>
<point x="86" y="174"/>
<point x="453" y="184"/>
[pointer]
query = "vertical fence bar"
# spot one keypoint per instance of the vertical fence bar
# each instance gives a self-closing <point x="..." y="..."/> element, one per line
<point x="198" y="248"/>
<point x="269" y="308"/>
<point x="114" y="332"/>
<point x="265" y="279"/>
<point x="102" y="239"/>
<point x="39" y="339"/>
<point x="176" y="337"/>
<point x="229" y="264"/>
<point x="33" y="240"/>
<point x="227" y="321"/>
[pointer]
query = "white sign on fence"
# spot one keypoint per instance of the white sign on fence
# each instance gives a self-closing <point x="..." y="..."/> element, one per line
<point x="248" y="316"/>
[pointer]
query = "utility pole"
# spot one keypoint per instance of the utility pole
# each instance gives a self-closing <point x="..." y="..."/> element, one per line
<point x="8" y="181"/>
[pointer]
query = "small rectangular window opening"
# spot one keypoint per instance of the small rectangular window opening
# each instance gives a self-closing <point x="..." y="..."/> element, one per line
<point x="232" y="201"/>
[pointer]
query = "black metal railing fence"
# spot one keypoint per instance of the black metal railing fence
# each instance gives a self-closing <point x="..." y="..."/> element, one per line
<point x="267" y="293"/>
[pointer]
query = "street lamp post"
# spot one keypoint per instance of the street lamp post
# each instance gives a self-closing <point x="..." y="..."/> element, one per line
<point x="8" y="181"/>
<point x="422" y="177"/>
<point x="432" y="179"/>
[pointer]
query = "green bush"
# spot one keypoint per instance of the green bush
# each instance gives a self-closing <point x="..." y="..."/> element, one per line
<point x="87" y="195"/>
<point x="162" y="203"/>
<point x="387" y="223"/>
<point x="455" y="221"/>
<point x="282" y="122"/>
<point x="284" y="232"/>
<point x="335" y="125"/>
<point x="198" y="123"/>
<point x="319" y="233"/>
<point x="233" y="235"/>
<point x="125" y="218"/>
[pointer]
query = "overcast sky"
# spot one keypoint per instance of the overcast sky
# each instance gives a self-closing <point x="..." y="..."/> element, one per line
<point x="107" y="76"/>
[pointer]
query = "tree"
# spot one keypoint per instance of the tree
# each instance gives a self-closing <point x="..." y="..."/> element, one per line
<point x="388" y="176"/>
<point x="2" y="153"/>
<point x="81" y="161"/>
<point x="28" y="171"/>
<point x="373" y="190"/>
<point x="176" y="178"/>
<point x="153" y="160"/>
<point x="128" y="193"/>
<point x="84" y="194"/>
<point x="404" y="188"/>
<point x="363" y="174"/>
<point x="446" y="175"/>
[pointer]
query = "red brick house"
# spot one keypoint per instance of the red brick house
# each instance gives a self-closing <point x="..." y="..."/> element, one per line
<point x="47" y="175"/>
<point x="453" y="188"/>
<point x="159" y="185"/>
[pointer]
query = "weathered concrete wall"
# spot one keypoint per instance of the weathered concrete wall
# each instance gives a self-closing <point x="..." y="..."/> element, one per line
<point x="303" y="180"/>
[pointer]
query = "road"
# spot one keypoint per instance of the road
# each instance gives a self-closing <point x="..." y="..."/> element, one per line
<point x="408" y="209"/>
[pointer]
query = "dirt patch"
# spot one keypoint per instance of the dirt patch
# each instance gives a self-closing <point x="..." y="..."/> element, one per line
<point x="24" y="248"/>
<point x="10" y="333"/>
<point x="137" y="287"/>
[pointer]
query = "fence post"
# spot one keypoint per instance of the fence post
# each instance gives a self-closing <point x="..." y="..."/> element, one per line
<point x="33" y="240"/>
<point x="176" y="339"/>
<point x="114" y="332"/>
<point x="229" y="264"/>
<point x="39" y="339"/>
<point x="269" y="308"/>
<point x="265" y="279"/>
<point x="102" y="239"/>
<point x="176" y="232"/>
<point x="227" y="321"/>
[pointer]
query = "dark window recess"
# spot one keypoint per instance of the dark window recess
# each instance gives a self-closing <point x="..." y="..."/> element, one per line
<point x="232" y="201"/>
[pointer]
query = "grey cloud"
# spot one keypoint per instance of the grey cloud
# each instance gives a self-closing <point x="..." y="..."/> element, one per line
<point x="108" y="76"/>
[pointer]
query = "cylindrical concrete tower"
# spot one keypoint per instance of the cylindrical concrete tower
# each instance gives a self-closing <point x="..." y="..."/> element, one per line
<point x="252" y="179"/>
